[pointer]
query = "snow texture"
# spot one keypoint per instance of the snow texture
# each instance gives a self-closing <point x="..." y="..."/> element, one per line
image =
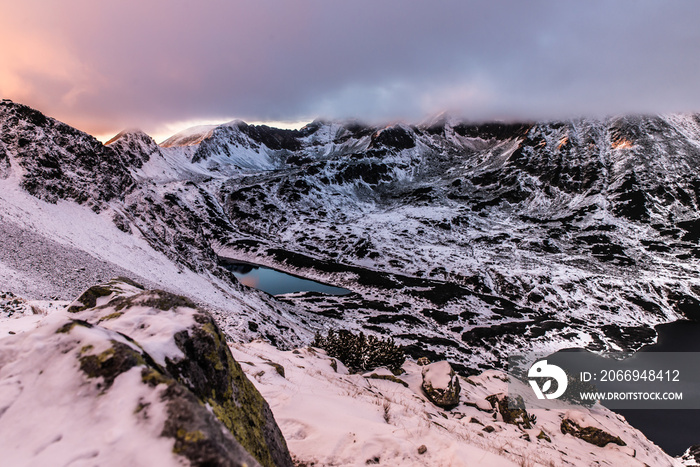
<point x="333" y="418"/>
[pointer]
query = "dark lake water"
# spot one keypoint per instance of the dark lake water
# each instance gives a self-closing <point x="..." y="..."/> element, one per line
<point x="277" y="282"/>
<point x="674" y="430"/>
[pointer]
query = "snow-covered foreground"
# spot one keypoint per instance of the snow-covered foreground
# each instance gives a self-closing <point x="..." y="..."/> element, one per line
<point x="330" y="417"/>
<point x="126" y="376"/>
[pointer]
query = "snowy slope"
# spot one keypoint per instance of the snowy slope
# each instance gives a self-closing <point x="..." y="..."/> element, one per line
<point x="330" y="417"/>
<point x="327" y="416"/>
<point x="124" y="374"/>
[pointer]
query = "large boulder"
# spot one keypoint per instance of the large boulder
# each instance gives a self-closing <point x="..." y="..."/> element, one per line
<point x="441" y="384"/>
<point x="131" y="376"/>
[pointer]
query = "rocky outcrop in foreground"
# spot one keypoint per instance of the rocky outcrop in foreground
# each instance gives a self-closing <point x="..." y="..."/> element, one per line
<point x="131" y="376"/>
<point x="440" y="384"/>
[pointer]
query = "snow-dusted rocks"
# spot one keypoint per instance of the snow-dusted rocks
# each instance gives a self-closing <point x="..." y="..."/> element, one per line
<point x="511" y="411"/>
<point x="691" y="457"/>
<point x="130" y="376"/>
<point x="590" y="434"/>
<point x="330" y="417"/>
<point x="440" y="384"/>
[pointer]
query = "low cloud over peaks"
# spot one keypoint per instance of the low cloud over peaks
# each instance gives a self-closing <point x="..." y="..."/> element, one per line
<point x="104" y="66"/>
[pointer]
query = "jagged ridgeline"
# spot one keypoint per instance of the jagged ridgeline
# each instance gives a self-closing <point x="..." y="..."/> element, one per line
<point x="458" y="240"/>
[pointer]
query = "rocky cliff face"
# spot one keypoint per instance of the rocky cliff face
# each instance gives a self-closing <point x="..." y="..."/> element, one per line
<point x="55" y="161"/>
<point x="132" y="375"/>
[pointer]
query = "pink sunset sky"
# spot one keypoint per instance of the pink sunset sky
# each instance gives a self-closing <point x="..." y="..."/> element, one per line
<point x="164" y="65"/>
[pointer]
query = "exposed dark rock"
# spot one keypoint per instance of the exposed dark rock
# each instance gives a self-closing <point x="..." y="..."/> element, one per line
<point x="135" y="147"/>
<point x="499" y="131"/>
<point x="630" y="335"/>
<point x="60" y="162"/>
<point x="590" y="434"/>
<point x="512" y="410"/>
<point x="207" y="374"/>
<point x="395" y="137"/>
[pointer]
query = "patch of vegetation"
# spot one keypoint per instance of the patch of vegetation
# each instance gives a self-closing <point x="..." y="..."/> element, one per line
<point x="278" y="368"/>
<point x="114" y="315"/>
<point x="155" y="299"/>
<point x="68" y="327"/>
<point x="360" y="352"/>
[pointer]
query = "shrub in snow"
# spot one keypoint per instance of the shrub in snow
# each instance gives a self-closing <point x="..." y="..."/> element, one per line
<point x="360" y="352"/>
<point x="440" y="384"/>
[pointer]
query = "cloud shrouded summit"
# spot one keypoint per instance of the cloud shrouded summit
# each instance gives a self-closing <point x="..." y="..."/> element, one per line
<point x="106" y="65"/>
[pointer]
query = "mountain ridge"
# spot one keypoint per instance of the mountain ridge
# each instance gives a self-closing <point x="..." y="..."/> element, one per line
<point x="471" y="240"/>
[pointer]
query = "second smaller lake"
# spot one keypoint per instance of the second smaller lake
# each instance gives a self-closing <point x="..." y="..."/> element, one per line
<point x="276" y="282"/>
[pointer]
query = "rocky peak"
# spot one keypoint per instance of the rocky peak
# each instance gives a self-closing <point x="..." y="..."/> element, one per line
<point x="135" y="147"/>
<point x="55" y="161"/>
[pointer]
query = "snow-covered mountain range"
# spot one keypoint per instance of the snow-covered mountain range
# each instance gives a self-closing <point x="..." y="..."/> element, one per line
<point x="459" y="240"/>
<point x="463" y="242"/>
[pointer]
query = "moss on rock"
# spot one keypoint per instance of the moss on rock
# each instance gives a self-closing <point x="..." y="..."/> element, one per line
<point x="158" y="299"/>
<point x="212" y="374"/>
<point x="68" y="327"/>
<point x="114" y="315"/>
<point x="111" y="363"/>
<point x="89" y="298"/>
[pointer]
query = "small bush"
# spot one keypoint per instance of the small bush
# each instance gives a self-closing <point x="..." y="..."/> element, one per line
<point x="360" y="352"/>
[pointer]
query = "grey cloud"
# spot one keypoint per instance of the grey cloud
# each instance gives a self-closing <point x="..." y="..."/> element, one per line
<point x="163" y="61"/>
